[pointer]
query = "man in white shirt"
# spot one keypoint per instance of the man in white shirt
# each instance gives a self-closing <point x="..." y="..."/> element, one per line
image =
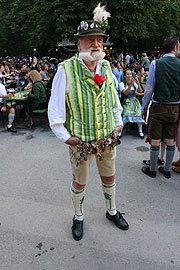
<point x="127" y="58"/>
<point x="3" y="74"/>
<point x="5" y="108"/>
<point x="85" y="112"/>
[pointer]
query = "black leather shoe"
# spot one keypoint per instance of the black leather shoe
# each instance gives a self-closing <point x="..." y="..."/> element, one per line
<point x="31" y="125"/>
<point x="159" y="162"/>
<point x="166" y="174"/>
<point x="147" y="171"/>
<point x="146" y="162"/>
<point x="118" y="220"/>
<point x="11" y="129"/>
<point x="77" y="229"/>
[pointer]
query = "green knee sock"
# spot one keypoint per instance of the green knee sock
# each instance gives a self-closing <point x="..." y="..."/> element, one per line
<point x="78" y="199"/>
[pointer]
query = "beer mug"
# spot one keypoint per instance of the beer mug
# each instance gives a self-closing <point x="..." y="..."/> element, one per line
<point x="11" y="90"/>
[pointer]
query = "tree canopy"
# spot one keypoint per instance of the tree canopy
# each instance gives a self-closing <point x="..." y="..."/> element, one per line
<point x="134" y="24"/>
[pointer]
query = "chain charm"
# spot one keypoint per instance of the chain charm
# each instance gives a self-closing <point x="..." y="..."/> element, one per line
<point x="97" y="147"/>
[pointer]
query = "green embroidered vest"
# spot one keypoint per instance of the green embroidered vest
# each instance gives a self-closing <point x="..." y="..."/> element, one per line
<point x="167" y="85"/>
<point x="89" y="108"/>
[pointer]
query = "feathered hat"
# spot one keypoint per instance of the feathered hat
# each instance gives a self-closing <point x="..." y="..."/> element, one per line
<point x="97" y="26"/>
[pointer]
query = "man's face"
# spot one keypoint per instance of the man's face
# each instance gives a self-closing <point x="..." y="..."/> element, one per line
<point x="23" y="66"/>
<point x="112" y="66"/>
<point x="2" y="69"/>
<point x="91" y="48"/>
<point x="26" y="75"/>
<point x="46" y="67"/>
<point x="142" y="72"/>
<point x="93" y="42"/>
<point x="177" y="50"/>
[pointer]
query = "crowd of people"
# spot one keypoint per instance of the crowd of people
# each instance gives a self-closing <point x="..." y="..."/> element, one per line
<point x="16" y="72"/>
<point x="29" y="75"/>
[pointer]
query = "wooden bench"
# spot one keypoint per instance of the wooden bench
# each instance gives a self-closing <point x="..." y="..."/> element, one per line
<point x="40" y="112"/>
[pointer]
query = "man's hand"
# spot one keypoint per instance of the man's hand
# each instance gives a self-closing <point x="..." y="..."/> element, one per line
<point x="143" y="115"/>
<point x="26" y="94"/>
<point x="9" y="95"/>
<point x="3" y="109"/>
<point x="73" y="141"/>
<point x="119" y="129"/>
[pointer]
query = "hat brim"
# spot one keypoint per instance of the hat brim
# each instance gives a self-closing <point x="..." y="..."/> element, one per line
<point x="91" y="34"/>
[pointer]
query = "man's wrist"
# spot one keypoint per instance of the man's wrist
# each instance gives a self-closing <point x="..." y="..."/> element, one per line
<point x="119" y="127"/>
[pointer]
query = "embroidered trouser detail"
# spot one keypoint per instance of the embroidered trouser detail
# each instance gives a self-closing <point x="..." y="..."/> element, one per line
<point x="78" y="199"/>
<point x="109" y="194"/>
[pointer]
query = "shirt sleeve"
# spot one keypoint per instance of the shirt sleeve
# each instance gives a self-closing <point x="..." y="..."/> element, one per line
<point x="117" y="110"/>
<point x="2" y="91"/>
<point x="121" y="86"/>
<point x="149" y="89"/>
<point x="57" y="105"/>
<point x="115" y="81"/>
<point x="136" y="86"/>
<point x="61" y="132"/>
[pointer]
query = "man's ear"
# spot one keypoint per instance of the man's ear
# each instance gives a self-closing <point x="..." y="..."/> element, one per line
<point x="175" y="48"/>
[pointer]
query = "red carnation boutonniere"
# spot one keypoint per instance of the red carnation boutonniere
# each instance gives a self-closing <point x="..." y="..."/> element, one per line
<point x="99" y="79"/>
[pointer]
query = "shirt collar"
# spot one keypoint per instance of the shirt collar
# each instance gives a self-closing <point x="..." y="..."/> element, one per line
<point x="169" y="55"/>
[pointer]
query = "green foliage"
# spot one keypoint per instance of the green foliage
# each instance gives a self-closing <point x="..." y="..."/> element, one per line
<point x="134" y="24"/>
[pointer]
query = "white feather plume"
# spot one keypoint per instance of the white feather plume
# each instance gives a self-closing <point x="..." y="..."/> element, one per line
<point x="100" y="13"/>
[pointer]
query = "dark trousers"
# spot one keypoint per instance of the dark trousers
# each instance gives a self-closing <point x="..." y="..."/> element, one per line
<point x="35" y="106"/>
<point x="163" y="121"/>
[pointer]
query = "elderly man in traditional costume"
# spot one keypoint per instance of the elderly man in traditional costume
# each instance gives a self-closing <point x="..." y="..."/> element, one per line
<point x="163" y="85"/>
<point x="85" y="113"/>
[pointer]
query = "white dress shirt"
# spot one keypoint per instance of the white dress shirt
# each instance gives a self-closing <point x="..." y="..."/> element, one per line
<point x="2" y="91"/>
<point x="57" y="103"/>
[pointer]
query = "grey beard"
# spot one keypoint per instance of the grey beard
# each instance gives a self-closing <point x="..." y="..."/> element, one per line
<point x="92" y="57"/>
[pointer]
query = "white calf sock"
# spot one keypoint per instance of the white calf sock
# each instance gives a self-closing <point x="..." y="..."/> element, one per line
<point x="78" y="198"/>
<point x="140" y="129"/>
<point x="109" y="194"/>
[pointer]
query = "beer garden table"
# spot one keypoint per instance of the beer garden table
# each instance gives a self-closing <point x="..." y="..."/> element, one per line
<point x="19" y="99"/>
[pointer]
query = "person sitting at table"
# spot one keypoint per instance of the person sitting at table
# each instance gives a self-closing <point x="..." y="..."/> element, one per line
<point x="37" y="96"/>
<point x="35" y="64"/>
<point x="3" y="74"/>
<point x="44" y="72"/>
<point x="51" y="74"/>
<point x="7" y="69"/>
<point x="13" y="72"/>
<point x="5" y="108"/>
<point x="24" y="81"/>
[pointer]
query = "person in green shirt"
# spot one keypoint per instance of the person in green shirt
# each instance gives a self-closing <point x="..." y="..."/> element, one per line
<point x="37" y="96"/>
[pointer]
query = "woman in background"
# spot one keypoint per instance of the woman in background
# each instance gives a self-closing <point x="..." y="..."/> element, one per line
<point x="131" y="105"/>
<point x="37" y="96"/>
